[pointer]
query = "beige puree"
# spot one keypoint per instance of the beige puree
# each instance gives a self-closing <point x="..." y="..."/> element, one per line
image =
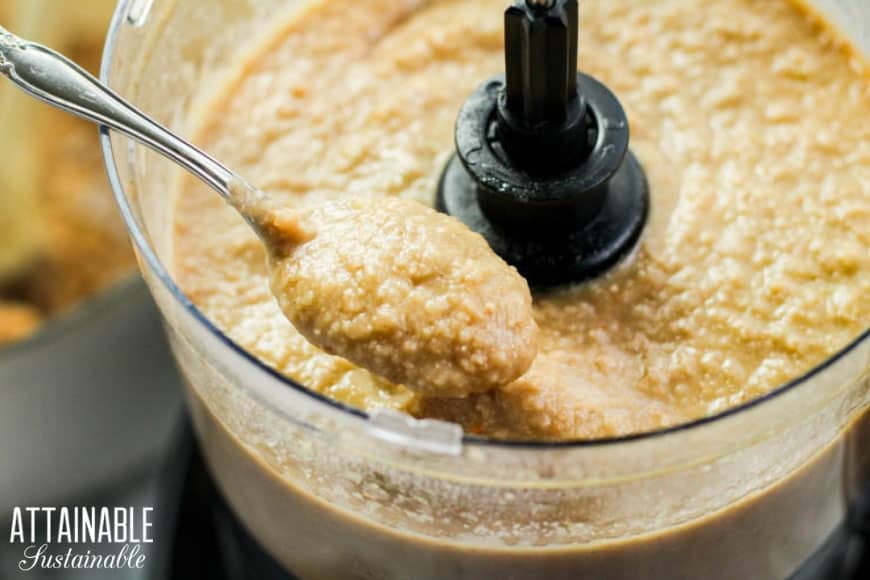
<point x="754" y="269"/>
<point x="406" y="292"/>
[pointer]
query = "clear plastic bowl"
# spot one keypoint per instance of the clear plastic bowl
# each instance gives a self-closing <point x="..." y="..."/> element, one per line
<point x="332" y="492"/>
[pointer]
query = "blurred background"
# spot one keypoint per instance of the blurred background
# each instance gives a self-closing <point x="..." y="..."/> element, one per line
<point x="89" y="396"/>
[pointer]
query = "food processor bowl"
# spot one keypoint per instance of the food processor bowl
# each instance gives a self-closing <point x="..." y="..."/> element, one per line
<point x="332" y="492"/>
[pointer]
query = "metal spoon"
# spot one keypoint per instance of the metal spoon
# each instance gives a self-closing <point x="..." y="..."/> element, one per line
<point x="58" y="81"/>
<point x="484" y="335"/>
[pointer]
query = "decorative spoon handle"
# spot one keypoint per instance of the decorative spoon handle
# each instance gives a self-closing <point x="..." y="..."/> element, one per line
<point x="53" y="78"/>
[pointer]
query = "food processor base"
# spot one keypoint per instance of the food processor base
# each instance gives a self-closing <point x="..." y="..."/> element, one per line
<point x="210" y="542"/>
<point x="206" y="540"/>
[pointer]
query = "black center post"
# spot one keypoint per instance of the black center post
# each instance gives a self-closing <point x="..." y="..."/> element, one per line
<point x="542" y="168"/>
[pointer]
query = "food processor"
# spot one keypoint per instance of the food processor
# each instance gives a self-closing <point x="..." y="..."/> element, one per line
<point x="759" y="491"/>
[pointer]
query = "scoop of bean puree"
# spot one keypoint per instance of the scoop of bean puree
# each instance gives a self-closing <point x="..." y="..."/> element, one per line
<point x="399" y="289"/>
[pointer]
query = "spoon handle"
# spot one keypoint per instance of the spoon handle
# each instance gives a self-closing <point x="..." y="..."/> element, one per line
<point x="56" y="80"/>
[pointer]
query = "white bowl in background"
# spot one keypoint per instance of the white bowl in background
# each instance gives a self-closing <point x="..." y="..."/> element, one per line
<point x="86" y="402"/>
